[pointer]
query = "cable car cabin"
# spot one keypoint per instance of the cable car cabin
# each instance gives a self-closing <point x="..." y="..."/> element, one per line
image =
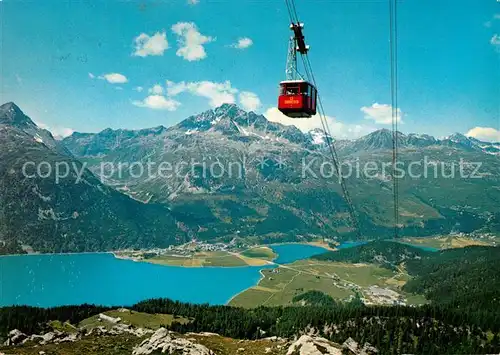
<point x="297" y="98"/>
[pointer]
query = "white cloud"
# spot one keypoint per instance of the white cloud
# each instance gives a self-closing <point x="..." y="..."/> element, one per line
<point x="156" y="90"/>
<point x="138" y="88"/>
<point x="495" y="40"/>
<point x="486" y="134"/>
<point x="338" y="129"/>
<point x="190" y="41"/>
<point x="249" y="101"/>
<point x="19" y="79"/>
<point x="242" y="43"/>
<point x="174" y="89"/>
<point x="114" y="78"/>
<point x="304" y="124"/>
<point x="57" y="132"/>
<point x="217" y="93"/>
<point x="150" y="45"/>
<point x="193" y="2"/>
<point x="381" y="113"/>
<point x="61" y="132"/>
<point x="158" y="102"/>
<point x="91" y="76"/>
<point x="490" y="23"/>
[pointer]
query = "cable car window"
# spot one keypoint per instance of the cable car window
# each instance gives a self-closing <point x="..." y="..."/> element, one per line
<point x="303" y="88"/>
<point x="292" y="90"/>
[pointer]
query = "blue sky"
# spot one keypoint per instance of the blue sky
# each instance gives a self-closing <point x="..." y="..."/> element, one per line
<point x="61" y="60"/>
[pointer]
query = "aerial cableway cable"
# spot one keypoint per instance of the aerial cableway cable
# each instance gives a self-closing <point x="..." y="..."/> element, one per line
<point x="326" y="129"/>
<point x="293" y="18"/>
<point x="333" y="151"/>
<point x="393" y="28"/>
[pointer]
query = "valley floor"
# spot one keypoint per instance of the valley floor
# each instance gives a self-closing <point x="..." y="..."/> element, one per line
<point x="257" y="256"/>
<point x="450" y="242"/>
<point x="341" y="281"/>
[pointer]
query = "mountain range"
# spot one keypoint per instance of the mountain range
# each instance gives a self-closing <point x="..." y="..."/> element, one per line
<point x="229" y="173"/>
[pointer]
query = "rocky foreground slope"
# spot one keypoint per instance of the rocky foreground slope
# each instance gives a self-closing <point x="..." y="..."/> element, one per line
<point x="110" y="335"/>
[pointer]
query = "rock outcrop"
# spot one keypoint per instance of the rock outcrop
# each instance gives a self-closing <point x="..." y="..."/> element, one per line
<point x="353" y="347"/>
<point x="119" y="329"/>
<point x="315" y="345"/>
<point x="109" y="319"/>
<point x="16" y="337"/>
<point x="165" y="342"/>
<point x="312" y="345"/>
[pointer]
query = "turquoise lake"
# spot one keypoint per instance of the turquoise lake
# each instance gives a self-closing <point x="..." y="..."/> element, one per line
<point x="345" y="245"/>
<point x="288" y="253"/>
<point x="425" y="248"/>
<point x="100" y="278"/>
<point x="62" y="279"/>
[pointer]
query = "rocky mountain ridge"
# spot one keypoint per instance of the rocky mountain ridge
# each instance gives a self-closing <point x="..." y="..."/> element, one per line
<point x="229" y="119"/>
<point x="11" y="115"/>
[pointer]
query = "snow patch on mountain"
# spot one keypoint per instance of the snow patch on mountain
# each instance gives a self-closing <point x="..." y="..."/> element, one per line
<point x="318" y="137"/>
<point x="191" y="131"/>
<point x="38" y="138"/>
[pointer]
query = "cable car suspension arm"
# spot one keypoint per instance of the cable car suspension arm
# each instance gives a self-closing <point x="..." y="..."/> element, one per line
<point x="296" y="44"/>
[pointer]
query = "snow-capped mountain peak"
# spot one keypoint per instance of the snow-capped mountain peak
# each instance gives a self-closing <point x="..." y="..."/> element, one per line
<point x="318" y="136"/>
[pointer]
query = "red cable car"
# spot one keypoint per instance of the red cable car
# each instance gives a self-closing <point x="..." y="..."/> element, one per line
<point x="297" y="98"/>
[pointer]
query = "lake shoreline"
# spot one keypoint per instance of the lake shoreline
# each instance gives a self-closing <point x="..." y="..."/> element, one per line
<point x="48" y="254"/>
<point x="319" y="244"/>
<point x="249" y="288"/>
<point x="116" y="254"/>
<point x="278" y="261"/>
<point x="250" y="261"/>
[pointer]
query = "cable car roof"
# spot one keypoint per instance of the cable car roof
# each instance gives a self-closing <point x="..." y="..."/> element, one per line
<point x="294" y="82"/>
